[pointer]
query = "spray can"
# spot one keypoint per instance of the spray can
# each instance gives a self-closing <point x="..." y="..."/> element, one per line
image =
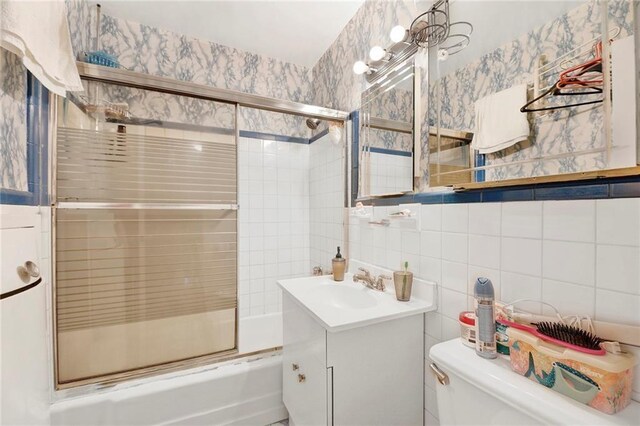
<point x="485" y="318"/>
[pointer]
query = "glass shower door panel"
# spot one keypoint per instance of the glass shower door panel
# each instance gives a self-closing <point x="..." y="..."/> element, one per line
<point x="146" y="232"/>
<point x="137" y="288"/>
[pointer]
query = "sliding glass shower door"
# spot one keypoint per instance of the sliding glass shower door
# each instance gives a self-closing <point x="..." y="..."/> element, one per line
<point x="145" y="232"/>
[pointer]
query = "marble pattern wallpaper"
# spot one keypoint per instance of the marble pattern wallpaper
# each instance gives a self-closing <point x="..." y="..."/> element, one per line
<point x="335" y="85"/>
<point x="155" y="51"/>
<point x="13" y="123"/>
<point x="559" y="132"/>
<point x="82" y="22"/>
<point x="13" y="102"/>
<point x="396" y="105"/>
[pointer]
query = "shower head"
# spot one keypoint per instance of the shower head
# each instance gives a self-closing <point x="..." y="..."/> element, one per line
<point x="313" y="123"/>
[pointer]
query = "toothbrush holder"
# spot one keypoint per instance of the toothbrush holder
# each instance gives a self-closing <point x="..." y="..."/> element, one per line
<point x="403" y="281"/>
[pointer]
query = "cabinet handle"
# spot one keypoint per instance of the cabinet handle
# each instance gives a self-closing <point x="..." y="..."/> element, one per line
<point x="295" y="367"/>
<point x="301" y="378"/>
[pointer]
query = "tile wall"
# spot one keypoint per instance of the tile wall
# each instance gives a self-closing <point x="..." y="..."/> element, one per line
<point x="390" y="173"/>
<point x="326" y="187"/>
<point x="273" y="221"/>
<point x="582" y="256"/>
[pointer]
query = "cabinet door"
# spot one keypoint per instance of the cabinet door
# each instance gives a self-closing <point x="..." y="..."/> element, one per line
<point x="304" y="366"/>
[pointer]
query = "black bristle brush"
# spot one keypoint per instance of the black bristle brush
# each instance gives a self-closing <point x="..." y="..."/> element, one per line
<point x="570" y="334"/>
<point x="563" y="335"/>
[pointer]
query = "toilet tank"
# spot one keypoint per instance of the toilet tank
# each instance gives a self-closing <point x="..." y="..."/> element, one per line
<point x="487" y="392"/>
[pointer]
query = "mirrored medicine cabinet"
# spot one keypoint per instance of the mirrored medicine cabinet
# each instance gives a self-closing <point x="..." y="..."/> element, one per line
<point x="564" y="73"/>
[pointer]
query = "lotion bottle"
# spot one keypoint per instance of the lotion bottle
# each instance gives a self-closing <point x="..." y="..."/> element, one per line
<point x="338" y="264"/>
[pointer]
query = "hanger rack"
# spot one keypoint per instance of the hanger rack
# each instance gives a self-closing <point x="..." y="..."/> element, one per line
<point x="541" y="87"/>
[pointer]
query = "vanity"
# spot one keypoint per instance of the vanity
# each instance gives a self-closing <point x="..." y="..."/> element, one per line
<point x="352" y="354"/>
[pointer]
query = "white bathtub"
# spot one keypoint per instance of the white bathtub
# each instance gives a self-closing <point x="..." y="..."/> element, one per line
<point x="241" y="392"/>
<point x="260" y="332"/>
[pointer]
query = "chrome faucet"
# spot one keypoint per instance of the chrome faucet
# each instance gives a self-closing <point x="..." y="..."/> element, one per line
<point x="367" y="280"/>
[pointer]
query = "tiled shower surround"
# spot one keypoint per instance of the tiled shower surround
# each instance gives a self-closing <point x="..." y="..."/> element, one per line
<point x="273" y="221"/>
<point x="290" y="216"/>
<point x="326" y="180"/>
<point x="582" y="256"/>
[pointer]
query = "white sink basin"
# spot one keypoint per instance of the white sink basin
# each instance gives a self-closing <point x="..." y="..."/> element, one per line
<point x="344" y="297"/>
<point x="344" y="305"/>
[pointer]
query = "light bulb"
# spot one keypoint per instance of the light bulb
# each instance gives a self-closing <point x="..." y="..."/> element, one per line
<point x="398" y="34"/>
<point x="360" y="67"/>
<point x="377" y="53"/>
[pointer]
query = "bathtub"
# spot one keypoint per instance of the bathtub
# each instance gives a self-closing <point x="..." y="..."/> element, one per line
<point x="245" y="391"/>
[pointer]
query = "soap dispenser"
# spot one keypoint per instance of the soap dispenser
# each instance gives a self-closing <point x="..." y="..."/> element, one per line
<point x="338" y="264"/>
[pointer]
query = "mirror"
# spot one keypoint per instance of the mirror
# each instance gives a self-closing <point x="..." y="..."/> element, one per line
<point x="583" y="121"/>
<point x="386" y="142"/>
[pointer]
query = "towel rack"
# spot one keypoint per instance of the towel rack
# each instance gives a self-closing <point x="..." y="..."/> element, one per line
<point x="29" y="270"/>
<point x="21" y="289"/>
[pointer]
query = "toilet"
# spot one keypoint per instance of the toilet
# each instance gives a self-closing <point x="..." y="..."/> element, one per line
<point x="475" y="391"/>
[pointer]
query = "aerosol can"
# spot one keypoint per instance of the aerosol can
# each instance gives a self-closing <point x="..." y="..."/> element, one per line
<point x="485" y="318"/>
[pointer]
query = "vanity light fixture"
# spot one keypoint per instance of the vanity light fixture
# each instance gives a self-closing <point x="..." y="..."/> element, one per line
<point x="360" y="68"/>
<point x="432" y="28"/>
<point x="399" y="34"/>
<point x="377" y="53"/>
<point x="363" y="68"/>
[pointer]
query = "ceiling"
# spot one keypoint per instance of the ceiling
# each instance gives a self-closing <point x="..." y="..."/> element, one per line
<point x="296" y="31"/>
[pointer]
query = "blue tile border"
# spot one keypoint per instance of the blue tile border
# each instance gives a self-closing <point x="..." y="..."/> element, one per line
<point x="600" y="188"/>
<point x="391" y="152"/>
<point x="37" y="149"/>
<point x="318" y="136"/>
<point x="272" y="137"/>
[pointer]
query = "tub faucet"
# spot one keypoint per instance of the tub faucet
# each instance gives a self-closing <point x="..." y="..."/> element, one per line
<point x="368" y="281"/>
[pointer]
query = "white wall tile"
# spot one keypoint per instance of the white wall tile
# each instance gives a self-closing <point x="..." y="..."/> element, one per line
<point x="454" y="276"/>
<point x="520" y="255"/>
<point x="411" y="242"/>
<point x="618" y="268"/>
<point x="485" y="218"/>
<point x="573" y="220"/>
<point x="431" y="269"/>
<point x="455" y="217"/>
<point x="569" y="299"/>
<point x="453" y="303"/>
<point x="568" y="261"/>
<point x="617" y="307"/>
<point x="450" y="328"/>
<point x="517" y="286"/>
<point x="433" y="325"/>
<point x="273" y="221"/>
<point x="618" y="221"/>
<point x="431" y="217"/>
<point x="522" y="219"/>
<point x="484" y="251"/>
<point x="430" y="244"/>
<point x="455" y="247"/>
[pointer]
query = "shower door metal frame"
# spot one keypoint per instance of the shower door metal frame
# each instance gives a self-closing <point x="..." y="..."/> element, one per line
<point x="138" y="80"/>
<point x="88" y="383"/>
<point x="132" y="79"/>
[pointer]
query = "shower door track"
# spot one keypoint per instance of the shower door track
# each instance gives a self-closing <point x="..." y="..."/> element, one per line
<point x="184" y="88"/>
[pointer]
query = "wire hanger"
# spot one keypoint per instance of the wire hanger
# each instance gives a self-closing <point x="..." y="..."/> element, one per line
<point x="577" y="77"/>
<point x="556" y="92"/>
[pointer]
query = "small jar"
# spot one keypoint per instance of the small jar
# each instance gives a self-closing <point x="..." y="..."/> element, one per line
<point x="467" y="322"/>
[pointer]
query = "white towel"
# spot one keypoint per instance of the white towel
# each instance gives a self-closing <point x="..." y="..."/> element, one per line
<point x="38" y="33"/>
<point x="499" y="122"/>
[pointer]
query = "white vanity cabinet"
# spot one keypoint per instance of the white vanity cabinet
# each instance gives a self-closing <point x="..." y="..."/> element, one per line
<point x="368" y="375"/>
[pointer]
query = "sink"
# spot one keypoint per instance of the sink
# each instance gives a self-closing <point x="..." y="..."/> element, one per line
<point x="344" y="297"/>
<point x="345" y="305"/>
